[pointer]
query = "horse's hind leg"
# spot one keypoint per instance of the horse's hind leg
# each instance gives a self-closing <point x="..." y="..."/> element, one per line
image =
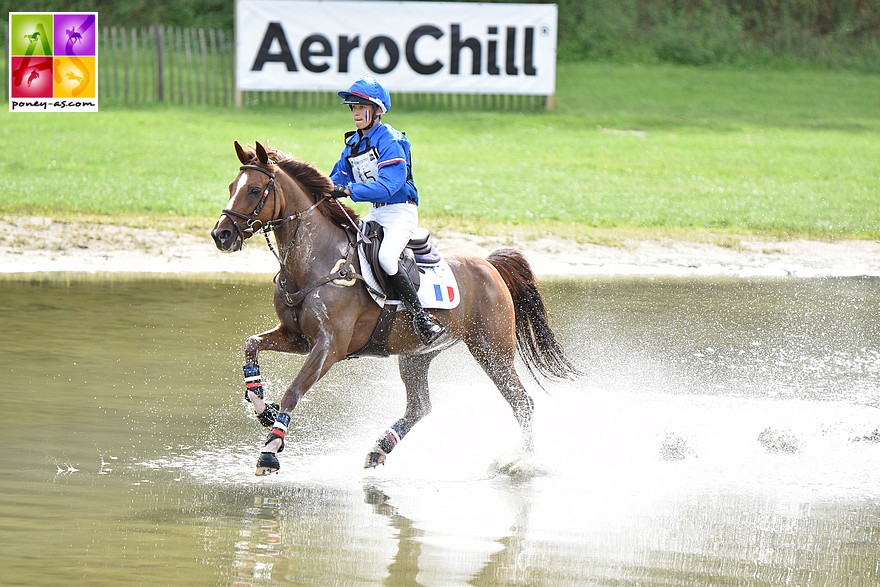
<point x="498" y="363"/>
<point x="414" y="372"/>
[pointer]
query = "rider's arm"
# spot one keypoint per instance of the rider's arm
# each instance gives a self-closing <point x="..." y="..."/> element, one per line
<point x="340" y="174"/>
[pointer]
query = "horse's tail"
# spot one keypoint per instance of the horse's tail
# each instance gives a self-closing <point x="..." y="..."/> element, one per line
<point x="535" y="341"/>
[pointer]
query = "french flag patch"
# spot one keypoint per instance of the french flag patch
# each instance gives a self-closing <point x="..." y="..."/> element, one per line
<point x="439" y="293"/>
<point x="438" y="288"/>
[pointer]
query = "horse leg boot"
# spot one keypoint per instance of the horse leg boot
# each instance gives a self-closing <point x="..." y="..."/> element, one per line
<point x="254" y="394"/>
<point x="426" y="325"/>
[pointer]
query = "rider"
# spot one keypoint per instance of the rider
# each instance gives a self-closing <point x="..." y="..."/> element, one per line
<point x="376" y="166"/>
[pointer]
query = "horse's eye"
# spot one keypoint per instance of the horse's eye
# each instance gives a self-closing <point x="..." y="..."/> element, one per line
<point x="254" y="191"/>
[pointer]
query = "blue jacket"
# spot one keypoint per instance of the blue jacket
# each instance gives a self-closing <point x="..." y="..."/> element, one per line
<point x="377" y="167"/>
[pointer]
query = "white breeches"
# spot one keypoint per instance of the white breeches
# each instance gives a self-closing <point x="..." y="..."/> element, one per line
<point x="400" y="222"/>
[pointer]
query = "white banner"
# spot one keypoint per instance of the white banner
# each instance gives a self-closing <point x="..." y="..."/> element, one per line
<point x="304" y="45"/>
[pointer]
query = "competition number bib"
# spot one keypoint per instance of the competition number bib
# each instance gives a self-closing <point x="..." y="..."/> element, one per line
<point x="365" y="166"/>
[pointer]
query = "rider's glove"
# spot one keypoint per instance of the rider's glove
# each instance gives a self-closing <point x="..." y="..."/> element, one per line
<point x="338" y="192"/>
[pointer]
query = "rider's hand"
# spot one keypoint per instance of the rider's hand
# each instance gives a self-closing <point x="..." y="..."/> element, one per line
<point x="340" y="191"/>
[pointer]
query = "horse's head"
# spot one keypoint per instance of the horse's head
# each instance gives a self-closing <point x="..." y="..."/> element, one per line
<point x="253" y="201"/>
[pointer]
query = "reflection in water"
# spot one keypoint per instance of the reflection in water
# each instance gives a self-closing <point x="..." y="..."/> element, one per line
<point x="726" y="433"/>
<point x="260" y="541"/>
<point x="404" y="567"/>
<point x="505" y="562"/>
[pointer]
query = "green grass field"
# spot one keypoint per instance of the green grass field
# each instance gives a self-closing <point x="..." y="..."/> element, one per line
<point x="660" y="149"/>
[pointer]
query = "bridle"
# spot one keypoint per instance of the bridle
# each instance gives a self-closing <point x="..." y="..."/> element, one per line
<point x="342" y="274"/>
<point x="252" y="223"/>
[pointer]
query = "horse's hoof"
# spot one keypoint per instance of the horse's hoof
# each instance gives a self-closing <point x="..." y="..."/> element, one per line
<point x="267" y="464"/>
<point x="374" y="459"/>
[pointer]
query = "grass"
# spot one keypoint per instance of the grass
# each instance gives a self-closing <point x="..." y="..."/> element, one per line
<point x="659" y="149"/>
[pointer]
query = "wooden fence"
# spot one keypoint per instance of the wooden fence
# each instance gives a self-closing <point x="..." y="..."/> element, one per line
<point x="190" y="66"/>
<point x="166" y="64"/>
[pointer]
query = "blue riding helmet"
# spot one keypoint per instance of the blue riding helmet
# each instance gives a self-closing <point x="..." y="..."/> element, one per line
<point x="369" y="91"/>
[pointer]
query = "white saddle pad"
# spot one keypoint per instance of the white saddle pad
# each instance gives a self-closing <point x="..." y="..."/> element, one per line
<point x="438" y="288"/>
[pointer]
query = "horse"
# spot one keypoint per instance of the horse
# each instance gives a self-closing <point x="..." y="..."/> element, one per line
<point x="326" y="313"/>
<point x="73" y="36"/>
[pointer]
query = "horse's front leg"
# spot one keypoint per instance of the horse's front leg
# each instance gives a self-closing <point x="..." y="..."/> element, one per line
<point x="278" y="339"/>
<point x="321" y="357"/>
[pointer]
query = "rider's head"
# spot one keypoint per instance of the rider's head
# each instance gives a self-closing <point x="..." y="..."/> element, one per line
<point x="368" y="100"/>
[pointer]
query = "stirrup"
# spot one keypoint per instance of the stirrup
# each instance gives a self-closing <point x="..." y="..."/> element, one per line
<point x="428" y="328"/>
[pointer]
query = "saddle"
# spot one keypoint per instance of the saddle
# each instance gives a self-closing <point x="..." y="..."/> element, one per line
<point x="419" y="252"/>
<point x="418" y="258"/>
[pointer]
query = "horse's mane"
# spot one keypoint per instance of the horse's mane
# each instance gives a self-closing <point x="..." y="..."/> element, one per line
<point x="315" y="183"/>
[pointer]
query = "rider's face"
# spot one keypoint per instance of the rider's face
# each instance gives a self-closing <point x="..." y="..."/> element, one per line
<point x="363" y="115"/>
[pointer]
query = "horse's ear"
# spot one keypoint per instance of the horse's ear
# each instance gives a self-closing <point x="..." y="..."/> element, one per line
<point x="262" y="155"/>
<point x="241" y="154"/>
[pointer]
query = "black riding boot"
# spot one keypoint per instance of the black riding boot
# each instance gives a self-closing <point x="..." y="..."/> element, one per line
<point x="427" y="327"/>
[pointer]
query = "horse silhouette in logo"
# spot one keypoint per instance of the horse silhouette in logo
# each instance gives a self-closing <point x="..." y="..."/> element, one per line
<point x="34" y="37"/>
<point x="73" y="36"/>
<point x="34" y="75"/>
<point x="73" y="76"/>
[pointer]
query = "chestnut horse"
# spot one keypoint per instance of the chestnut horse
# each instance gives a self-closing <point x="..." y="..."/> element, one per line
<point x="326" y="313"/>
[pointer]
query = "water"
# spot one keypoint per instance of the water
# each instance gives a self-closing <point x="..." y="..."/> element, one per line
<point x="726" y="433"/>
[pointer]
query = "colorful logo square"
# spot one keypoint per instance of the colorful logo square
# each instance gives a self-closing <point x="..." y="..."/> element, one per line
<point x="75" y="34"/>
<point x="30" y="34"/>
<point x="31" y="77"/>
<point x="53" y="62"/>
<point x="75" y="77"/>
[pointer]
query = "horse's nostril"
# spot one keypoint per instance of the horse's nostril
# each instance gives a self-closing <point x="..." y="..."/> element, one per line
<point x="221" y="237"/>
